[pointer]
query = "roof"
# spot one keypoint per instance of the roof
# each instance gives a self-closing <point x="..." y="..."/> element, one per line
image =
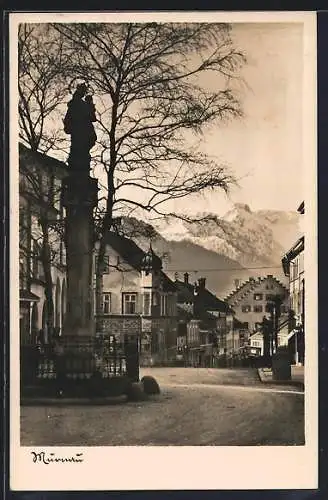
<point x="129" y="250"/>
<point x="185" y="292"/>
<point x="134" y="256"/>
<point x="209" y="301"/>
<point x="301" y="208"/>
<point x="27" y="296"/>
<point x="168" y="284"/>
<point x="45" y="160"/>
<point x="239" y="324"/>
<point x="296" y="249"/>
<point x="183" y="313"/>
<point x="249" y="286"/>
<point x="256" y="335"/>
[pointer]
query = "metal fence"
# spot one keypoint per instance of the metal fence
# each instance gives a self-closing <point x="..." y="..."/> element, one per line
<point x="80" y="359"/>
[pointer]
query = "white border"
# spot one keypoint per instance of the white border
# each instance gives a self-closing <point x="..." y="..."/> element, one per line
<point x="147" y="468"/>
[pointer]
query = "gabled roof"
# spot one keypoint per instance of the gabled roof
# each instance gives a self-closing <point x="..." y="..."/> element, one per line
<point x="183" y="313"/>
<point x="256" y="336"/>
<point x="296" y="249"/>
<point x="167" y="283"/>
<point x="27" y="296"/>
<point x="209" y="301"/>
<point x="134" y="256"/>
<point x="129" y="250"/>
<point x="185" y="292"/>
<point x="249" y="286"/>
<point x="44" y="160"/>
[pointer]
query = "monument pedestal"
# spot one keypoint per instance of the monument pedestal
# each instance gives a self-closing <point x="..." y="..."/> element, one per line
<point x="79" y="199"/>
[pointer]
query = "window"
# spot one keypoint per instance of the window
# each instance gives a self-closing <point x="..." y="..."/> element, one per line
<point x="268" y="308"/>
<point x="146" y="304"/>
<point x="129" y="303"/>
<point x="106" y="303"/>
<point x="106" y="264"/>
<point x="22" y="271"/>
<point x="51" y="190"/>
<point x="258" y="296"/>
<point x="35" y="259"/>
<point x="245" y="309"/>
<point x="163" y="305"/>
<point x="258" y="309"/>
<point x="258" y="326"/>
<point x="36" y="263"/>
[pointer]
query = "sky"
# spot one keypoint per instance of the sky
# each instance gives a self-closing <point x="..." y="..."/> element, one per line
<point x="264" y="148"/>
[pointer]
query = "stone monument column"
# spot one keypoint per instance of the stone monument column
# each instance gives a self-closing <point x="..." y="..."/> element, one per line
<point x="80" y="198"/>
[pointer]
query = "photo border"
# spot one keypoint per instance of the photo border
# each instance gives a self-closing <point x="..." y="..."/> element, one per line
<point x="322" y="198"/>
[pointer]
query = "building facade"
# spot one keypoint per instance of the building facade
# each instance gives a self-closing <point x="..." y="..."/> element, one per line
<point x="251" y="301"/>
<point x="203" y="322"/>
<point x="293" y="266"/>
<point x="138" y="299"/>
<point x="42" y="265"/>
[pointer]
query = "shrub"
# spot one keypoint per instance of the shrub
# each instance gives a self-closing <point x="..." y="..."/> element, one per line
<point x="150" y="385"/>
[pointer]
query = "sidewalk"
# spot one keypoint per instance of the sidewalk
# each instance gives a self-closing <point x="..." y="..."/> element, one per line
<point x="297" y="377"/>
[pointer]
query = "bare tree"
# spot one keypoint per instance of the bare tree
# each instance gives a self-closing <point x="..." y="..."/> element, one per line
<point x="42" y="87"/>
<point x="154" y="102"/>
<point x="40" y="193"/>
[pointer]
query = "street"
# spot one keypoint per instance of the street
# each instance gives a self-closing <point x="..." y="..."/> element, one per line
<point x="192" y="409"/>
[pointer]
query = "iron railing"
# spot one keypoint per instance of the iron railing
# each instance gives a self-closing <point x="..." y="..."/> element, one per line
<point x="79" y="359"/>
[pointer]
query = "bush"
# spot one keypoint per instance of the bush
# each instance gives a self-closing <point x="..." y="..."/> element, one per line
<point x="150" y="385"/>
<point x="136" y="392"/>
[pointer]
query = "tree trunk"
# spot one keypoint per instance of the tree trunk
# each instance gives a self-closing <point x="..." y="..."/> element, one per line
<point x="100" y="267"/>
<point x="99" y="280"/>
<point x="108" y="218"/>
<point x="46" y="264"/>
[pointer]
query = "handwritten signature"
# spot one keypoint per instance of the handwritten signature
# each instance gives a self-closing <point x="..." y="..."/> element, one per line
<point x="50" y="458"/>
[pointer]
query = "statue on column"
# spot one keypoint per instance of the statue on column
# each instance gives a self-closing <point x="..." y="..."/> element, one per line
<point x="78" y="123"/>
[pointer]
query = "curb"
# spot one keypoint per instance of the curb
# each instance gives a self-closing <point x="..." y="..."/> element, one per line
<point x="270" y="381"/>
<point x="73" y="401"/>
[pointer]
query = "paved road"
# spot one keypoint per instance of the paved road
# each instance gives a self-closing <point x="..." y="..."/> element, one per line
<point x="224" y="376"/>
<point x="192" y="409"/>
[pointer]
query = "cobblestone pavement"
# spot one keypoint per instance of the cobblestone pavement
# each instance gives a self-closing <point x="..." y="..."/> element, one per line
<point x="192" y="409"/>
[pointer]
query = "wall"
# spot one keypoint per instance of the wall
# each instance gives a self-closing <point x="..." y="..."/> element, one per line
<point x="41" y="188"/>
<point x="121" y="278"/>
<point x="296" y="286"/>
<point x="158" y="330"/>
<point x="265" y="287"/>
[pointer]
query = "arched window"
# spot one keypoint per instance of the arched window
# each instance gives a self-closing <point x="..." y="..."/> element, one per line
<point x="34" y="322"/>
<point x="58" y="304"/>
<point x="63" y="304"/>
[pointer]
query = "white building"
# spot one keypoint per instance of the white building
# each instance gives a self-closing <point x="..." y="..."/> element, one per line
<point x="293" y="266"/>
<point x="40" y="216"/>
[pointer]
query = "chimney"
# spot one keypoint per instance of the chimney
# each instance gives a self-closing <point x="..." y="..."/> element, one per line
<point x="237" y="283"/>
<point x="176" y="276"/>
<point x="201" y="283"/>
<point x="186" y="278"/>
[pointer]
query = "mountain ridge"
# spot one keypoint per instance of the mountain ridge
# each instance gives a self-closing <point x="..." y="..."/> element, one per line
<point x="239" y="245"/>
